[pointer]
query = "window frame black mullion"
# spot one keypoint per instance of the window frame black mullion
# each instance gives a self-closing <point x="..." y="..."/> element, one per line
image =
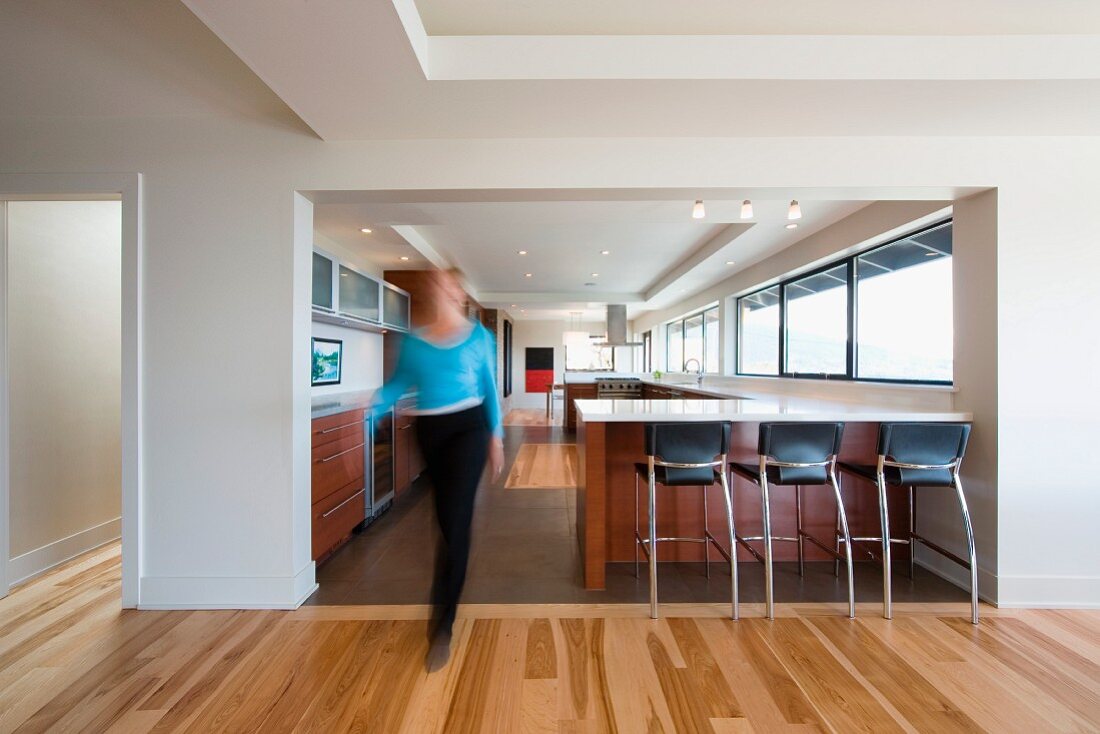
<point x="853" y="344"/>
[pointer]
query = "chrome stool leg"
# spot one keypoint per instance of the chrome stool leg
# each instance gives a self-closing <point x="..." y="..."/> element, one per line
<point x="706" y="532"/>
<point x="970" y="549"/>
<point x="733" y="542"/>
<point x="912" y="531"/>
<point x="637" y="530"/>
<point x="652" y="543"/>
<point x="769" y="588"/>
<point x="843" y="522"/>
<point x="884" y="518"/>
<point x="836" y="533"/>
<point x="798" y="533"/>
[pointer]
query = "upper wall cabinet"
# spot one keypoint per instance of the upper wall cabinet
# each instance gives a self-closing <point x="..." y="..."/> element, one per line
<point x="346" y="297"/>
<point x="395" y="307"/>
<point x="324" y="292"/>
<point x="358" y="295"/>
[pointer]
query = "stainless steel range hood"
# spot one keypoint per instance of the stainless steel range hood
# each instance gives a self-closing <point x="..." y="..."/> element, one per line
<point x="616" y="327"/>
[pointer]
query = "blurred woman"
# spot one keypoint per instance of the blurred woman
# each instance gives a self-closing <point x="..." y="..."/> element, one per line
<point x="451" y="363"/>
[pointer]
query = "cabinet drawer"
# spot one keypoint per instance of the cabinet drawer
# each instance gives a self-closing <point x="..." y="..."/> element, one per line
<point x="336" y="464"/>
<point x="336" y="516"/>
<point x="335" y="427"/>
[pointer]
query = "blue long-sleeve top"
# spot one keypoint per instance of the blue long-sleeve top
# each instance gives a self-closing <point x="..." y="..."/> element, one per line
<point x="448" y="378"/>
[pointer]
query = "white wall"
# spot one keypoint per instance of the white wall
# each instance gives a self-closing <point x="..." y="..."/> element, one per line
<point x="534" y="334"/>
<point x="226" y="460"/>
<point x="64" y="342"/>
<point x="362" y="369"/>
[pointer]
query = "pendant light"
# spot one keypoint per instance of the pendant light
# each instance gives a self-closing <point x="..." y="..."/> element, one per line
<point x="574" y="336"/>
<point x="746" y="209"/>
<point x="794" y="211"/>
<point x="698" y="211"/>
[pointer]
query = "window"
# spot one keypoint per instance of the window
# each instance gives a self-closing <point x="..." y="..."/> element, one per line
<point x="589" y="356"/>
<point x="884" y="314"/>
<point x="647" y="351"/>
<point x="693" y="337"/>
<point x="758" y="333"/>
<point x="904" y="302"/>
<point x="710" y="339"/>
<point x="817" y="323"/>
<point x="674" y="355"/>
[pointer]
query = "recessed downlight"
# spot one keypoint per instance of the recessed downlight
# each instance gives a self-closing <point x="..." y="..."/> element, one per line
<point x="792" y="225"/>
<point x="595" y="275"/>
<point x="521" y="252"/>
<point x="605" y="252"/>
<point x="528" y="275"/>
<point x="365" y="230"/>
<point x="730" y="262"/>
<point x="405" y="258"/>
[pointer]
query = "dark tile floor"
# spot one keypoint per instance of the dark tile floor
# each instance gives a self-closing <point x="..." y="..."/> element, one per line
<point x="525" y="551"/>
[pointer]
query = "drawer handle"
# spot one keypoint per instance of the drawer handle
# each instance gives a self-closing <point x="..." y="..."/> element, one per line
<point x="345" y="451"/>
<point x="340" y="428"/>
<point x="349" y="499"/>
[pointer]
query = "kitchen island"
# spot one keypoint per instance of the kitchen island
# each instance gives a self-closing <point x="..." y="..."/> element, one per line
<point x="609" y="442"/>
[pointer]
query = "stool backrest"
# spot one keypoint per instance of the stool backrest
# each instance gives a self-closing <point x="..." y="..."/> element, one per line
<point x="799" y="443"/>
<point x="925" y="444"/>
<point x="688" y="443"/>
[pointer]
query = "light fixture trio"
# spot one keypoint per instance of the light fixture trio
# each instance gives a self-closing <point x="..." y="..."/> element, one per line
<point x="699" y="211"/>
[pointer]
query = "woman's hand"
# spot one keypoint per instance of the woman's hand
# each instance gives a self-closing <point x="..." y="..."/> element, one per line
<point x="496" y="456"/>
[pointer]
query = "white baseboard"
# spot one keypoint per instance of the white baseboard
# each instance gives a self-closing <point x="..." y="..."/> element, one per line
<point x="950" y="571"/>
<point x="221" y="592"/>
<point x="36" y="562"/>
<point x="1019" y="592"/>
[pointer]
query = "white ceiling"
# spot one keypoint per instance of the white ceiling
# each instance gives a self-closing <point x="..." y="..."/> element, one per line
<point x="352" y="72"/>
<point x="646" y="17"/>
<point x="658" y="253"/>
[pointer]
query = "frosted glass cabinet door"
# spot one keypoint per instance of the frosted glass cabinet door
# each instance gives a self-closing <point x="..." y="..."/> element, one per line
<point x="322" y="282"/>
<point x="395" y="307"/>
<point x="358" y="295"/>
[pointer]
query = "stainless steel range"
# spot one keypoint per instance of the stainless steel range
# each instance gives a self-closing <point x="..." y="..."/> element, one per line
<point x="618" y="388"/>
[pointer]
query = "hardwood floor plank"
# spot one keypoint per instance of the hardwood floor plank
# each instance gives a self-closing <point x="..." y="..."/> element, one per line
<point x="685" y="701"/>
<point x="718" y="700"/>
<point x="541" y="657"/>
<point x="784" y="692"/>
<point x="637" y="699"/>
<point x="467" y="710"/>
<point x="837" y="696"/>
<point x="914" y="697"/>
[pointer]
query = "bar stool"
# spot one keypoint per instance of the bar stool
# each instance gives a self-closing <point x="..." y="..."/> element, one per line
<point x="919" y="455"/>
<point x="684" y="455"/>
<point x="796" y="454"/>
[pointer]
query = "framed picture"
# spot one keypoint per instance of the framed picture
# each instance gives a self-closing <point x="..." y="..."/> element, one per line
<point x="328" y="356"/>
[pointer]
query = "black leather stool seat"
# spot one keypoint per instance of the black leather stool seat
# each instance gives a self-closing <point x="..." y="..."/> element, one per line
<point x="783" y="475"/>
<point x="672" y="477"/>
<point x="898" y="477"/>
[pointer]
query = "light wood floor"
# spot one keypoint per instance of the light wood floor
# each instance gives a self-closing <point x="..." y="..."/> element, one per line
<point x="543" y="466"/>
<point x="532" y="417"/>
<point x="70" y="660"/>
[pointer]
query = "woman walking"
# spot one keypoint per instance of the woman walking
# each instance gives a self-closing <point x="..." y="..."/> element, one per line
<point x="451" y="362"/>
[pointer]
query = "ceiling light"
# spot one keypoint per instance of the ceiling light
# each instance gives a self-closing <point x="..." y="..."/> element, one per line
<point x="365" y="230"/>
<point x="746" y="209"/>
<point x="527" y="275"/>
<point x="595" y="275"/>
<point x="605" y="252"/>
<point x="792" y="225"/>
<point x="794" y="211"/>
<point x="343" y="275"/>
<point x="521" y="252"/>
<point x="931" y="254"/>
<point x="512" y="306"/>
<point x="730" y="262"/>
<point x="698" y="211"/>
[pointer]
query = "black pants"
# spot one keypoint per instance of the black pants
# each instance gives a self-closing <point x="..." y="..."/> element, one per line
<point x="455" y="447"/>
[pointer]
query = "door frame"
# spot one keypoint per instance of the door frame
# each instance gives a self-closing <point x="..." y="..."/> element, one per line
<point x="89" y="186"/>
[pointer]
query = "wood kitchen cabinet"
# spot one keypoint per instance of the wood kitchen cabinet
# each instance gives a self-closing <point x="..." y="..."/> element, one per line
<point x="338" y="480"/>
<point x="408" y="460"/>
<point x="576" y="391"/>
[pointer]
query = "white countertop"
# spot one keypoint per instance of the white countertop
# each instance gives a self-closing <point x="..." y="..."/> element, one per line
<point x="755" y="409"/>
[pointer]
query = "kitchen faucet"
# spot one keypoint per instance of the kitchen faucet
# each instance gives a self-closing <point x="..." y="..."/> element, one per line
<point x="698" y="372"/>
